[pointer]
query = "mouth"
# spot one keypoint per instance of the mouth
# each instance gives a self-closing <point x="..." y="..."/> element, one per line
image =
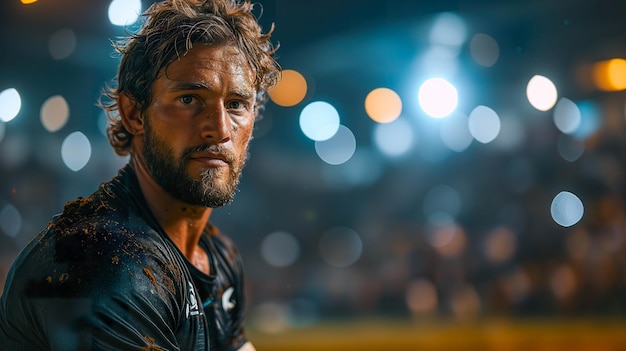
<point x="213" y="160"/>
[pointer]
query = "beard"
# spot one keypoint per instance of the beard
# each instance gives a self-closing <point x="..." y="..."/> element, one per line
<point x="212" y="189"/>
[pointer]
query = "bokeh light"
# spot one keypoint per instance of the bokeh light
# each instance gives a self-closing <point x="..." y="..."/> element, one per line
<point x="567" y="116"/>
<point x="440" y="60"/>
<point x="517" y="285"/>
<point x="566" y="209"/>
<point x="484" y="124"/>
<point x="54" y="113"/>
<point x="62" y="43"/>
<point x="484" y="49"/>
<point x="610" y="75"/>
<point x="10" y="220"/>
<point x="10" y="104"/>
<point x="455" y="133"/>
<point x="421" y="298"/>
<point x="541" y="93"/>
<point x="394" y="139"/>
<point x="26" y="2"/>
<point x="383" y="105"/>
<point x="563" y="281"/>
<point x="340" y="247"/>
<point x="570" y="149"/>
<point x="438" y="97"/>
<point x="448" y="29"/>
<point x="319" y="120"/>
<point x="500" y="245"/>
<point x="124" y="12"/>
<point x="76" y="151"/>
<point x="465" y="303"/>
<point x="591" y="119"/>
<point x="449" y="241"/>
<point x="280" y="249"/>
<point x="270" y="317"/>
<point x="339" y="148"/>
<point x="291" y="89"/>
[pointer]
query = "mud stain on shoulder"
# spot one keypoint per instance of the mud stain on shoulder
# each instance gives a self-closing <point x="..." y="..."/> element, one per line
<point x="151" y="346"/>
<point x="150" y="276"/>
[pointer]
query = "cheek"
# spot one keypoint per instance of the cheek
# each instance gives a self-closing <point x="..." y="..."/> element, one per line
<point x="244" y="129"/>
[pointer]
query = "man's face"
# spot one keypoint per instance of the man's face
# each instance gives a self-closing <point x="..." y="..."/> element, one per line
<point x="199" y="124"/>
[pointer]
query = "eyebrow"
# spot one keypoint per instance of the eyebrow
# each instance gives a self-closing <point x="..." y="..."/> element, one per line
<point x="184" y="85"/>
<point x="178" y="86"/>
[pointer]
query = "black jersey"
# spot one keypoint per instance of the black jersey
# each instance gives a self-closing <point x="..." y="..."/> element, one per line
<point x="104" y="276"/>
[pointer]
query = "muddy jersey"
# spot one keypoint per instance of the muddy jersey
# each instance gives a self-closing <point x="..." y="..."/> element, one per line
<point x="104" y="276"/>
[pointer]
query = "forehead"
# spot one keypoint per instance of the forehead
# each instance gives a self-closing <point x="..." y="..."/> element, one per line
<point x="204" y="62"/>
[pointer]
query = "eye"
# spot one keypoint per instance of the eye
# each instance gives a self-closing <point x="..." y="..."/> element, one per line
<point x="235" y="105"/>
<point x="186" y="99"/>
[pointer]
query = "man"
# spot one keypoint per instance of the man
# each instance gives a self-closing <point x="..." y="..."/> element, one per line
<point x="137" y="265"/>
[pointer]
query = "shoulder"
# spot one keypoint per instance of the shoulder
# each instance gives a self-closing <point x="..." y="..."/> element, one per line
<point x="94" y="247"/>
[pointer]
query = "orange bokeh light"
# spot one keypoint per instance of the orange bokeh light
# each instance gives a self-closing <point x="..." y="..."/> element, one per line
<point x="26" y="2"/>
<point x="610" y="75"/>
<point x="291" y="89"/>
<point x="383" y="105"/>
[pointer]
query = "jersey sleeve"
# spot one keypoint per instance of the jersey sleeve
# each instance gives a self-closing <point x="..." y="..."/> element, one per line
<point x="79" y="293"/>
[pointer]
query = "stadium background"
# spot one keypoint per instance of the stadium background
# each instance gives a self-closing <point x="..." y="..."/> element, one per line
<point x="411" y="232"/>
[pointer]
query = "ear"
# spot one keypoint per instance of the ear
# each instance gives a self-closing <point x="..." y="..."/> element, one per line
<point x="130" y="114"/>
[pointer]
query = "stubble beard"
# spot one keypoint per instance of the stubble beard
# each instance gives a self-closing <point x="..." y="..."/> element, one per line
<point x="212" y="189"/>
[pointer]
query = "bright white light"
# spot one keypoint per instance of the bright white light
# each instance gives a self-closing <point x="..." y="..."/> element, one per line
<point x="339" y="148"/>
<point x="124" y="12"/>
<point x="566" y="209"/>
<point x="455" y="132"/>
<point x="395" y="138"/>
<point x="437" y="97"/>
<point x="76" y="151"/>
<point x="340" y="247"/>
<point x="280" y="249"/>
<point x="541" y="93"/>
<point x="319" y="121"/>
<point x="567" y="117"/>
<point x="484" y="124"/>
<point x="10" y="104"/>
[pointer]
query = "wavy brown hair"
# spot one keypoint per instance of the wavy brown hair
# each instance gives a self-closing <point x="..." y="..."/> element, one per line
<point x="170" y="29"/>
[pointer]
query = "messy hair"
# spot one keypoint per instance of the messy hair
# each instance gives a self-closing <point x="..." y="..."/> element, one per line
<point x="170" y="29"/>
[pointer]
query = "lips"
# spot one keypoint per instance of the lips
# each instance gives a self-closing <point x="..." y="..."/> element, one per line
<point x="211" y="159"/>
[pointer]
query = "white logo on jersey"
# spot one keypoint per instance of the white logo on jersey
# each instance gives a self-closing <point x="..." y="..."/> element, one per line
<point x="192" y="304"/>
<point x="227" y="304"/>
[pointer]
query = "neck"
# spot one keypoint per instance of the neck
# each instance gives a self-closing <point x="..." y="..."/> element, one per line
<point x="182" y="222"/>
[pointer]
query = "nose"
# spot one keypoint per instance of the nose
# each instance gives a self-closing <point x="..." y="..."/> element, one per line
<point x="216" y="127"/>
